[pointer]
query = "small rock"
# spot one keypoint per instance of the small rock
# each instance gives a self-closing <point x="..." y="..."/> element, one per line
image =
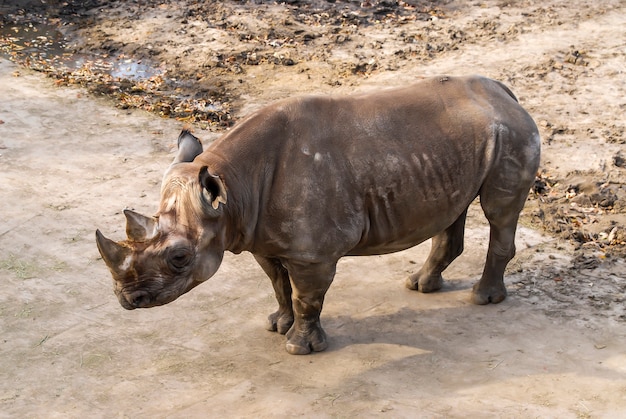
<point x="594" y="64"/>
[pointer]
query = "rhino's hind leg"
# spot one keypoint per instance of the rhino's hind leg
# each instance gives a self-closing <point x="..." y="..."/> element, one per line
<point x="281" y="320"/>
<point x="491" y="288"/>
<point x="310" y="283"/>
<point x="446" y="246"/>
<point x="502" y="198"/>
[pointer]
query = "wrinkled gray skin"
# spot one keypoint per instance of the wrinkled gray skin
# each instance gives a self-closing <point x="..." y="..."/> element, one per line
<point x="305" y="181"/>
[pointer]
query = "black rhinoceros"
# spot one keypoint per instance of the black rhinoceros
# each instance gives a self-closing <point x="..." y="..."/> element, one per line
<point x="305" y="181"/>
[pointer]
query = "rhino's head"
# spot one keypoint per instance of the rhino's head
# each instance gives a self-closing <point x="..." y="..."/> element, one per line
<point x="181" y="246"/>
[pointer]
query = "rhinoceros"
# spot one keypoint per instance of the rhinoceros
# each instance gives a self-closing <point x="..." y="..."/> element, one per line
<point x="307" y="180"/>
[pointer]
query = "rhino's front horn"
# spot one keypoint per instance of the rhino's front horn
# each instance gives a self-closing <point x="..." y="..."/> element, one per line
<point x="113" y="253"/>
<point x="139" y="228"/>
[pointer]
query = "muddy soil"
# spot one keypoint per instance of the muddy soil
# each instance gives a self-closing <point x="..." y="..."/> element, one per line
<point x="78" y="146"/>
<point x="210" y="62"/>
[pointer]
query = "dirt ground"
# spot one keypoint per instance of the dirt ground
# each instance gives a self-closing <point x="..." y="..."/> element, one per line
<point x="84" y="133"/>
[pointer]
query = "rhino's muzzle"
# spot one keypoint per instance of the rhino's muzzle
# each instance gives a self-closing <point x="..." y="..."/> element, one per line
<point x="137" y="299"/>
<point x="145" y="299"/>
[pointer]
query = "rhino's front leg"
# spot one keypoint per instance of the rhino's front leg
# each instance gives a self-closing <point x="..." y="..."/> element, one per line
<point x="281" y="320"/>
<point x="310" y="283"/>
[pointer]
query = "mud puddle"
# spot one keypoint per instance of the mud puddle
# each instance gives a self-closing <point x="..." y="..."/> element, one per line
<point x="43" y="47"/>
<point x="133" y="83"/>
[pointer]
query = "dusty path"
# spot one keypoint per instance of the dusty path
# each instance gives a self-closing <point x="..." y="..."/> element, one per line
<point x="69" y="163"/>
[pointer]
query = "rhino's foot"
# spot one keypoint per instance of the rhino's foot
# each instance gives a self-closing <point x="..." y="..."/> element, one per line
<point x="488" y="294"/>
<point x="280" y="322"/>
<point x="301" y="341"/>
<point x="424" y="283"/>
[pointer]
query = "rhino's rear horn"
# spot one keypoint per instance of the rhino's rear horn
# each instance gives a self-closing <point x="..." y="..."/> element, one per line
<point x="113" y="254"/>
<point x="188" y="147"/>
<point x="139" y="228"/>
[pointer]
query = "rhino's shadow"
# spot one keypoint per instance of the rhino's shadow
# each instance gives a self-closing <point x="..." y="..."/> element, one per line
<point x="419" y="326"/>
<point x="459" y="346"/>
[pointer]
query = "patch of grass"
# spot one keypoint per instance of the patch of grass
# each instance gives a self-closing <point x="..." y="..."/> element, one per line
<point x="59" y="207"/>
<point x="93" y="360"/>
<point x="24" y="313"/>
<point x="59" y="266"/>
<point x="22" y="269"/>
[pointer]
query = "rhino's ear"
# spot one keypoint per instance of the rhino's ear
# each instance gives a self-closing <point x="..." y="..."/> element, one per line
<point x="213" y="189"/>
<point x="139" y="228"/>
<point x="188" y="147"/>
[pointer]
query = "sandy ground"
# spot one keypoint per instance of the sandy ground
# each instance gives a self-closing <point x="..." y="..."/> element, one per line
<point x="555" y="348"/>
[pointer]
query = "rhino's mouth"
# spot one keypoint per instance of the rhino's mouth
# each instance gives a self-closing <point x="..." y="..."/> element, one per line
<point x="133" y="300"/>
<point x="141" y="299"/>
<point x="144" y="299"/>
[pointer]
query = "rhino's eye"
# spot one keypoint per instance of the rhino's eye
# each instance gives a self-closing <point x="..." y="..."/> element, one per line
<point x="179" y="259"/>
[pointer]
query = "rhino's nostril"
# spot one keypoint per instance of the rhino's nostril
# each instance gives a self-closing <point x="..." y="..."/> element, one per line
<point x="139" y="299"/>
